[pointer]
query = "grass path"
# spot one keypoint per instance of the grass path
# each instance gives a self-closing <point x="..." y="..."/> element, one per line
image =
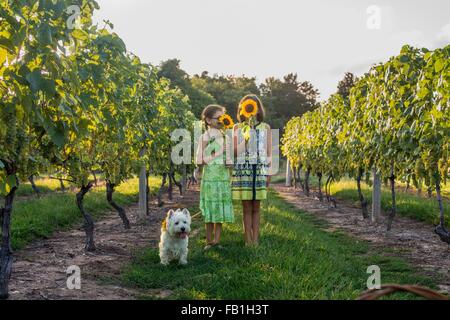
<point x="296" y="259"/>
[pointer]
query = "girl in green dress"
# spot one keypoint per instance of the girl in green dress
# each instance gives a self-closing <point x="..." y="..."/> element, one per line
<point x="216" y="202"/>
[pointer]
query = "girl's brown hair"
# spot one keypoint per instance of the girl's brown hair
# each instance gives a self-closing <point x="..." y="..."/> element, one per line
<point x="261" y="112"/>
<point x="209" y="112"/>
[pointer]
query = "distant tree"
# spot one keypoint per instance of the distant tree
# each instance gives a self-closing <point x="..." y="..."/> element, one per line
<point x="286" y="98"/>
<point x="198" y="98"/>
<point x="226" y="90"/>
<point x="346" y="84"/>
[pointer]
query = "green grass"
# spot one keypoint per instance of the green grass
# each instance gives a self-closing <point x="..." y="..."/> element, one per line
<point x="296" y="259"/>
<point x="45" y="185"/>
<point x="408" y="205"/>
<point x="40" y="218"/>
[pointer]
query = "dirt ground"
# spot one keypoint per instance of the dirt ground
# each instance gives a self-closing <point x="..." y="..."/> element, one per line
<point x="39" y="270"/>
<point x="413" y="240"/>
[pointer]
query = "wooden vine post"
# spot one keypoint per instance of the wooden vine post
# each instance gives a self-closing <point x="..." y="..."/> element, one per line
<point x="184" y="180"/>
<point x="288" y="174"/>
<point x="143" y="189"/>
<point x="376" y="196"/>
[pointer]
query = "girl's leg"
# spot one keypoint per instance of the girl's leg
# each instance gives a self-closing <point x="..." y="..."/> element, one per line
<point x="217" y="231"/>
<point x="209" y="231"/>
<point x="247" y="219"/>
<point x="255" y="220"/>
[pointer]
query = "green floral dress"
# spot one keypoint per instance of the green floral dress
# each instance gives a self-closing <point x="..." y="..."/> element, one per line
<point x="216" y="203"/>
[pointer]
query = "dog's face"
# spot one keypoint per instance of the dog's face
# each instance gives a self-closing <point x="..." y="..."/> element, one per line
<point x="178" y="223"/>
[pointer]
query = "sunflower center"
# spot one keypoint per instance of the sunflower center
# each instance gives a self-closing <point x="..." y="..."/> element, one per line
<point x="249" y="108"/>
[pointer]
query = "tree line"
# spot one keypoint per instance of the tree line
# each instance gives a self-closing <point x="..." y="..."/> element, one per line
<point x="282" y="98"/>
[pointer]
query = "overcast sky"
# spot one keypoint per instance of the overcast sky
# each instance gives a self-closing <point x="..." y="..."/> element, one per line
<point x="319" y="40"/>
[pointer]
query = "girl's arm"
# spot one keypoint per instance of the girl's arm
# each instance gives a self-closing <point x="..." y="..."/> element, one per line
<point x="199" y="154"/>
<point x="239" y="149"/>
<point x="228" y="149"/>
<point x="209" y="157"/>
<point x="199" y="157"/>
<point x="269" y="152"/>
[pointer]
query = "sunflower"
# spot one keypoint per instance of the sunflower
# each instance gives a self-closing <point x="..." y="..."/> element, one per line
<point x="226" y="121"/>
<point x="249" y="108"/>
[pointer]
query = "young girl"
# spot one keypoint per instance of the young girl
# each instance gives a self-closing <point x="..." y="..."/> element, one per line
<point x="250" y="177"/>
<point x="216" y="203"/>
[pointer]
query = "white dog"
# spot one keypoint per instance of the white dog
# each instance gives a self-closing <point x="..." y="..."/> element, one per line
<point x="175" y="236"/>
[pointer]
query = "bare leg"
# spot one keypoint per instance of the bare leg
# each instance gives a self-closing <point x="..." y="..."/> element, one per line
<point x="247" y="219"/>
<point x="209" y="231"/>
<point x="255" y="221"/>
<point x="217" y="231"/>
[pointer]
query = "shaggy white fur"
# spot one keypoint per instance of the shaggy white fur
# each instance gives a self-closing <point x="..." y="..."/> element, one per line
<point x="175" y="236"/>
